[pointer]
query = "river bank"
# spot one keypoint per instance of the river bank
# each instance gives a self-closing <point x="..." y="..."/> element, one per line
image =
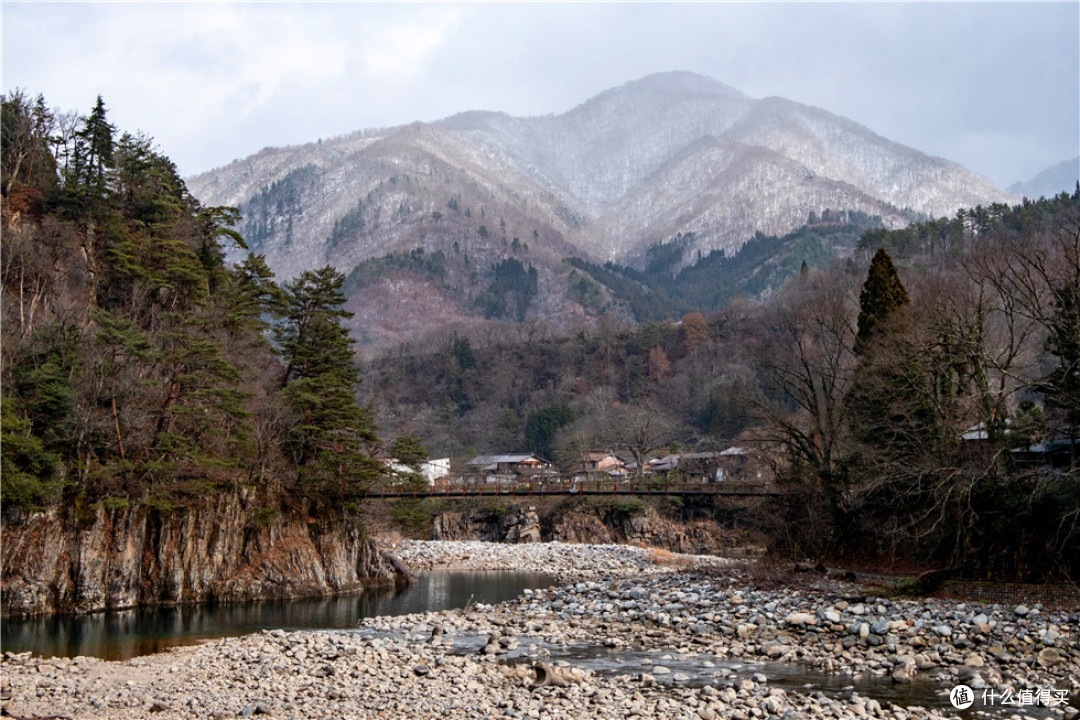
<point x="446" y="664"/>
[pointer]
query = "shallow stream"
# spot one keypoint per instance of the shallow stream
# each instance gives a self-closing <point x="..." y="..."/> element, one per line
<point x="702" y="669"/>
<point x="123" y="634"/>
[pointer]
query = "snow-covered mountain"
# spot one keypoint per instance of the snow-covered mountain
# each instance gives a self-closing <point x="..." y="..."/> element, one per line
<point x="638" y="164"/>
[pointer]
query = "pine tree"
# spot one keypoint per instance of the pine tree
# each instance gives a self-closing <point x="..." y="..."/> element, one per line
<point x="86" y="181"/>
<point x="313" y="296"/>
<point x="214" y="225"/>
<point x="882" y="295"/>
<point x="331" y="434"/>
<point x="250" y="294"/>
<point x="409" y="450"/>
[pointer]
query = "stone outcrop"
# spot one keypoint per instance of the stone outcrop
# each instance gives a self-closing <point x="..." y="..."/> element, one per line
<point x="524" y="523"/>
<point x="222" y="550"/>
<point x="651" y="529"/>
<point x="521" y="525"/>
<point x="515" y="524"/>
<point x="579" y="527"/>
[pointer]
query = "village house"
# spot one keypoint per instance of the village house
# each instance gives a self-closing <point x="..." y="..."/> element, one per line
<point x="430" y="470"/>
<point x="599" y="466"/>
<point x="507" y="469"/>
<point x="701" y="466"/>
<point x="736" y="465"/>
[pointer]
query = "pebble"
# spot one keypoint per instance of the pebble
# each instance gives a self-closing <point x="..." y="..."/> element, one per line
<point x="616" y="596"/>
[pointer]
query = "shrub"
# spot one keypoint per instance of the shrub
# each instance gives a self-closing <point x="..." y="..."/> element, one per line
<point x="267" y="515"/>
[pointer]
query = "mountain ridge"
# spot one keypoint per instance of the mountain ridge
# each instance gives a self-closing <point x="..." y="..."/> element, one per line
<point x="668" y="154"/>
<point x="1058" y="178"/>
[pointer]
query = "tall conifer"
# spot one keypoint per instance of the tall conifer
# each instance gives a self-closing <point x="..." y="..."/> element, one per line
<point x="330" y="437"/>
<point x="882" y="295"/>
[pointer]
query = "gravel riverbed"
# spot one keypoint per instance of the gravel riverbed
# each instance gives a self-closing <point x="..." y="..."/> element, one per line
<point x="703" y="616"/>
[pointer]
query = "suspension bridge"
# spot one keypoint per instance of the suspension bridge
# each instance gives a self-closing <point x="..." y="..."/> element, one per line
<point x="587" y="488"/>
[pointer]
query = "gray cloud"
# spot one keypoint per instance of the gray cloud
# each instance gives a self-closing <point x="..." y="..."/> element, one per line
<point x="995" y="86"/>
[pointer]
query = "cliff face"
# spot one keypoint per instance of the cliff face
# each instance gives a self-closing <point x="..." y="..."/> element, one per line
<point x="525" y="523"/>
<point x="59" y="561"/>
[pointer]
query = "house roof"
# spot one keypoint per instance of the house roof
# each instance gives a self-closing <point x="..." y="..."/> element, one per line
<point x="498" y="459"/>
<point x="979" y="432"/>
<point x="699" y="456"/>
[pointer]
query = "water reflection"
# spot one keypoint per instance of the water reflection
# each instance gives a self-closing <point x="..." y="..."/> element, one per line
<point x="122" y="634"/>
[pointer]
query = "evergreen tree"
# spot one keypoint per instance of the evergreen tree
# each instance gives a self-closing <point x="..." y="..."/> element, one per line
<point x="409" y="450"/>
<point x="312" y="297"/>
<point x="214" y="225"/>
<point x="26" y="162"/>
<point x="86" y="181"/>
<point x="543" y="424"/>
<point x="331" y="435"/>
<point x="31" y="473"/>
<point x="251" y="294"/>
<point x="882" y="295"/>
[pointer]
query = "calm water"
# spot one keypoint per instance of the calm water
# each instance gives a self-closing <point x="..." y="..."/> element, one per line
<point x="119" y="635"/>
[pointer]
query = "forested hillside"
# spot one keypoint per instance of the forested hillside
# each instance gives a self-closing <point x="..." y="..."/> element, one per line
<point x="666" y="288"/>
<point x="925" y="405"/>
<point x="138" y="366"/>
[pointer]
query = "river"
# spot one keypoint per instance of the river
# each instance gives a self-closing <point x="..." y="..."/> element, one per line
<point x="123" y="634"/>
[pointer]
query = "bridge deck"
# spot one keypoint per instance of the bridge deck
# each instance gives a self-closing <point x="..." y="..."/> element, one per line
<point x="578" y="488"/>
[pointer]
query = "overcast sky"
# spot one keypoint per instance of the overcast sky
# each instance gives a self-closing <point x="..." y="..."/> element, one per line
<point x="995" y="86"/>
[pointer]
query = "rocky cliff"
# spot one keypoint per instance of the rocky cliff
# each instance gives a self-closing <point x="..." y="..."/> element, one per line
<point x="225" y="550"/>
<point x="644" y="525"/>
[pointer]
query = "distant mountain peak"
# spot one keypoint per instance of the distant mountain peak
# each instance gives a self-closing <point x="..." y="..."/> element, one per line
<point x="681" y="81"/>
<point x="1051" y="181"/>
<point x="659" y="88"/>
<point x="674" y="153"/>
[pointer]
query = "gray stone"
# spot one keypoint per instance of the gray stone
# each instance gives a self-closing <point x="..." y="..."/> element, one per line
<point x="1048" y="657"/>
<point x="773" y="649"/>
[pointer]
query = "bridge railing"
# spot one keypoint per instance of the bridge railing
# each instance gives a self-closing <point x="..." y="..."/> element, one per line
<point x="589" y="487"/>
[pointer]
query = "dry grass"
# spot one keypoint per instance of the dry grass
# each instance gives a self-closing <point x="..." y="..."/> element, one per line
<point x="666" y="558"/>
